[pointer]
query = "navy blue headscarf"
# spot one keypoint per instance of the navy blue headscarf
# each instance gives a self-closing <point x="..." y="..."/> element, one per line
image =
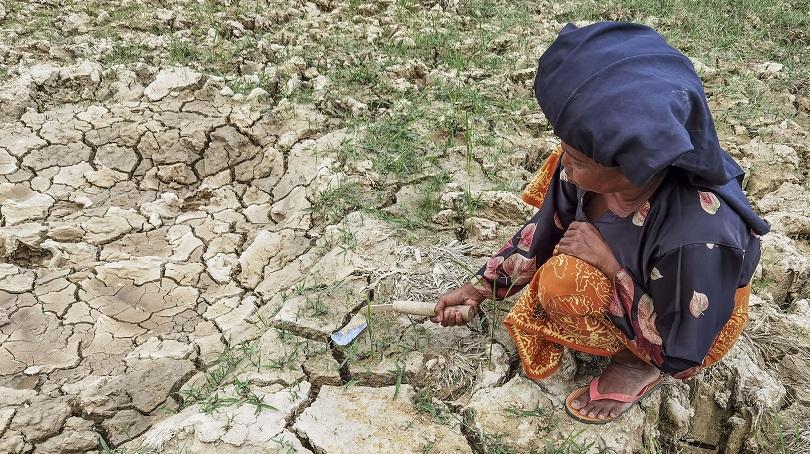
<point x="619" y="93"/>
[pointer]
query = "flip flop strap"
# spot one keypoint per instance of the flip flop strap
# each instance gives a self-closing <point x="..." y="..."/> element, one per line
<point x="593" y="392"/>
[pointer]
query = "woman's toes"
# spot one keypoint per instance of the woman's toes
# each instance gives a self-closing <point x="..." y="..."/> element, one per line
<point x="586" y="410"/>
<point x="603" y="412"/>
<point x="579" y="402"/>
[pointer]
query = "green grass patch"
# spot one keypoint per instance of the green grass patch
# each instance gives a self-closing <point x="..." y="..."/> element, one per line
<point x="123" y="53"/>
<point x="394" y="146"/>
<point x="246" y="85"/>
<point x="332" y="204"/>
<point x="183" y="52"/>
<point x="734" y="30"/>
<point x="746" y="27"/>
<point x="365" y="73"/>
<point x="428" y="202"/>
<point x="128" y="12"/>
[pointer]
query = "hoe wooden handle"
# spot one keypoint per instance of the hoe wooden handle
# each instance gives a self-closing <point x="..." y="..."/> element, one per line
<point x="427" y="309"/>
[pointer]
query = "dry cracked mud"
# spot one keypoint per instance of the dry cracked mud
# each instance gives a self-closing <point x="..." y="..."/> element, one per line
<point x="194" y="196"/>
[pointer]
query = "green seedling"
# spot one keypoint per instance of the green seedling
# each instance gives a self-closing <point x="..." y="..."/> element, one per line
<point x="399" y="371"/>
<point x="258" y="402"/>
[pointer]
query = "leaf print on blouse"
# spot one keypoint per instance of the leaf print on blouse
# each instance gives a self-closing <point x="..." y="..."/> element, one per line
<point x="493" y="263"/>
<point x="557" y="221"/>
<point x="709" y="202"/>
<point x="698" y="304"/>
<point x="646" y="320"/>
<point x="655" y="274"/>
<point x="526" y="236"/>
<point x="521" y="269"/>
<point x="564" y="175"/>
<point x="641" y="214"/>
<point x="623" y="291"/>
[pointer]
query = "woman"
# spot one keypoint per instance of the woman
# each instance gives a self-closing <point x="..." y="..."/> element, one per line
<point x="644" y="244"/>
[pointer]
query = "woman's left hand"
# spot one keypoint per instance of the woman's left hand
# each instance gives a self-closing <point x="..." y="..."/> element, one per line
<point x="583" y="241"/>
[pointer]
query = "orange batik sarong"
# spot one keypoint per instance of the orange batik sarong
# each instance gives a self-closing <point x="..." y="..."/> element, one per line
<point x="565" y="306"/>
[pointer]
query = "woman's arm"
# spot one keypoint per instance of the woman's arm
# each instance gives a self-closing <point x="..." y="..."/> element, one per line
<point x="514" y="265"/>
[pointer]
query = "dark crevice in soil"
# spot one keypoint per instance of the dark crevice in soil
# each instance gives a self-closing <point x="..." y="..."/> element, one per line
<point x="77" y="411"/>
<point x="699" y="444"/>
<point x="290" y="421"/>
<point x="461" y="233"/>
<point x="790" y="396"/>
<point x="377" y="380"/>
<point x="174" y="392"/>
<point x="514" y="368"/>
<point x="470" y="433"/>
<point x="304" y="440"/>
<point x="196" y="200"/>
<point x="27" y="256"/>
<point x="343" y="362"/>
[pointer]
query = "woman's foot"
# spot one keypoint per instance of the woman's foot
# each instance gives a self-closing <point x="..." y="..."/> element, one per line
<point x="626" y="374"/>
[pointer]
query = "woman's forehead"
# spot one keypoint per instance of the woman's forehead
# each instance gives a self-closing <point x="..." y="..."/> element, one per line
<point x="585" y="159"/>
<point x="575" y="153"/>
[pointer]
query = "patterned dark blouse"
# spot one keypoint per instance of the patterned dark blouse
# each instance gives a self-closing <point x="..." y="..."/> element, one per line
<point x="684" y="255"/>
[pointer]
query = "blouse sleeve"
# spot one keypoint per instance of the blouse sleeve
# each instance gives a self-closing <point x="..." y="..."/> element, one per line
<point x="514" y="265"/>
<point x="688" y="298"/>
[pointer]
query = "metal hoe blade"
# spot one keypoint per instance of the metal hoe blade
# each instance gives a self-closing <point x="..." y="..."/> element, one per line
<point x="345" y="337"/>
<point x="348" y="333"/>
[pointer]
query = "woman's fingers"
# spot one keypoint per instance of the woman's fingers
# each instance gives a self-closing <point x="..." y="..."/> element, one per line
<point x="572" y="234"/>
<point x="445" y="301"/>
<point x="447" y="317"/>
<point x="566" y="244"/>
<point x="570" y="245"/>
<point x="446" y="314"/>
<point x="438" y="311"/>
<point x="452" y="317"/>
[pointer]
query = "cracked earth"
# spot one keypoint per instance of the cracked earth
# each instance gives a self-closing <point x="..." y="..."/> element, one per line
<point x="172" y="264"/>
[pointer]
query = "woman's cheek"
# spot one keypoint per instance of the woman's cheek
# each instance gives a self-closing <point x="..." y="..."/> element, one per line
<point x="573" y="177"/>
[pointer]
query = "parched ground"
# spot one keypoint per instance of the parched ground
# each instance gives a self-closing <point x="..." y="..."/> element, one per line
<point x="195" y="194"/>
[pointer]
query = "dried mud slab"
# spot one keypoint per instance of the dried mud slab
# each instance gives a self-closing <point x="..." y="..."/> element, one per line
<point x="373" y="420"/>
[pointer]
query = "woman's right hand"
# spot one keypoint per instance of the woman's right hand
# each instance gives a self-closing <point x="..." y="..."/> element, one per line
<point x="465" y="295"/>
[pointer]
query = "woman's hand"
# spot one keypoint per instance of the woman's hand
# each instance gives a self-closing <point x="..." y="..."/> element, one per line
<point x="583" y="241"/>
<point x="465" y="295"/>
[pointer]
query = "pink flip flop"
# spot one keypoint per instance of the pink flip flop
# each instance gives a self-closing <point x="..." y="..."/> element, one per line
<point x="594" y="394"/>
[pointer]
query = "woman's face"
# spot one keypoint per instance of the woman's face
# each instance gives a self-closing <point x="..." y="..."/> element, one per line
<point x="590" y="175"/>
